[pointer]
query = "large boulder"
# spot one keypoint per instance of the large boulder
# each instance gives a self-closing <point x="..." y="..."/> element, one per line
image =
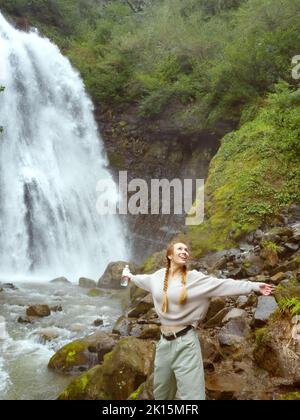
<point x="87" y="283"/>
<point x="277" y="351"/>
<point x="121" y="373"/>
<point x="81" y="355"/>
<point x="235" y="332"/>
<point x="111" y="277"/>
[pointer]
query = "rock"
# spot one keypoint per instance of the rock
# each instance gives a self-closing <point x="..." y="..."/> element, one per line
<point x="150" y="317"/>
<point x="112" y="275"/>
<point x="270" y="256"/>
<point x="291" y="247"/>
<point x="23" y="320"/>
<point x="215" y="306"/>
<point x="81" y="355"/>
<point x="98" y="322"/>
<point x="144" y="391"/>
<point x="48" y="334"/>
<point x="94" y="292"/>
<point x="122" y="326"/>
<point x="141" y="308"/>
<point x="286" y="266"/>
<point x="9" y="286"/>
<point x="87" y="283"/>
<point x="233" y="314"/>
<point x="217" y="319"/>
<point x="61" y="280"/>
<point x="38" y="310"/>
<point x="122" y="372"/>
<point x="266" y="307"/>
<point x="242" y="302"/>
<point x="234" y="332"/>
<point x="57" y="308"/>
<point x="276" y="352"/>
<point x="146" y="331"/>
<point x="277" y="278"/>
<point x="236" y="273"/>
<point x="253" y="265"/>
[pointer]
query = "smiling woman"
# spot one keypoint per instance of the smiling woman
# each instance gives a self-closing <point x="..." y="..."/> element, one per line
<point x="181" y="299"/>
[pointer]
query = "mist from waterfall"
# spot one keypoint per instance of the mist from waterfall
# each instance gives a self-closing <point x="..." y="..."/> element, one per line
<point x="51" y="158"/>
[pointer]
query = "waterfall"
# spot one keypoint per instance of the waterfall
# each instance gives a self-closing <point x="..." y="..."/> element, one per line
<point x="51" y="158"/>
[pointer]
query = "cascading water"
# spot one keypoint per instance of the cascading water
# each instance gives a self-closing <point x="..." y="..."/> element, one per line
<point x="51" y="158"/>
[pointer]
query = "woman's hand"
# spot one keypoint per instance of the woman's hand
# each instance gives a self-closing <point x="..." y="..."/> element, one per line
<point x="266" y="289"/>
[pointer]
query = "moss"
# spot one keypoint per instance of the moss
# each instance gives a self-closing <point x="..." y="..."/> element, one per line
<point x="94" y="292"/>
<point x="67" y="357"/>
<point x="136" y="394"/>
<point x="260" y="335"/>
<point x="291" y="396"/>
<point x="248" y="186"/>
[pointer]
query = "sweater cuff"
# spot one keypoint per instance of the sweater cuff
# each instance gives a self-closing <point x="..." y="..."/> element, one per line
<point x="256" y="286"/>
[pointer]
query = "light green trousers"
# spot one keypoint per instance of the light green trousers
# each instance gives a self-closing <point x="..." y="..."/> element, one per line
<point x="178" y="367"/>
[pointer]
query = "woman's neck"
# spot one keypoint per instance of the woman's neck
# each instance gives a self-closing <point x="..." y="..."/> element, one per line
<point x="175" y="270"/>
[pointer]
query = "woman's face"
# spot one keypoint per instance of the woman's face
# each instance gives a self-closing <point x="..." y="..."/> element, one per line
<point x="180" y="254"/>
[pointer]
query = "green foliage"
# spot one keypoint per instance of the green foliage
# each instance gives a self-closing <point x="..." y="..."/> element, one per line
<point x="254" y="176"/>
<point x="205" y="60"/>
<point x="291" y="305"/>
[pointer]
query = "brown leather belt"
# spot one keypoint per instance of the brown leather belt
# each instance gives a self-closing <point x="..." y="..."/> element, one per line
<point x="177" y="334"/>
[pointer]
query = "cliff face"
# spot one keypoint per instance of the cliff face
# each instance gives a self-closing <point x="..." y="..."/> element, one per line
<point x="154" y="149"/>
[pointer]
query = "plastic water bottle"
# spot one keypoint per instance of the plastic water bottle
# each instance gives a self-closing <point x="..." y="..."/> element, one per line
<point x="125" y="276"/>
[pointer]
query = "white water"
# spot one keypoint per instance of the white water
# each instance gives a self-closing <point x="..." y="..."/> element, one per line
<point x="51" y="157"/>
<point x="24" y="353"/>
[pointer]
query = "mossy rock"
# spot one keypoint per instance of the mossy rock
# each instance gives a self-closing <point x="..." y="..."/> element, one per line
<point x="81" y="355"/>
<point x="122" y="372"/>
<point x="94" y="292"/>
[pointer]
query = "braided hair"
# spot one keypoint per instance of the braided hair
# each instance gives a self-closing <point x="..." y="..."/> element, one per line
<point x="183" y="294"/>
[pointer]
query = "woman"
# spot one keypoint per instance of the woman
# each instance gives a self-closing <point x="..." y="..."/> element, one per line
<point x="181" y="299"/>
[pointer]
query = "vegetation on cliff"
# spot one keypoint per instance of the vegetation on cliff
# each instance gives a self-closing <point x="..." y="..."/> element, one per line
<point x="255" y="175"/>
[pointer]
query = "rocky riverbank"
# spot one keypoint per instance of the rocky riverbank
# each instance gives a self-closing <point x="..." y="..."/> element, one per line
<point x="250" y="344"/>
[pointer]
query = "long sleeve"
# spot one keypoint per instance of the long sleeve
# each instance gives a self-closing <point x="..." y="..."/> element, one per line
<point x="210" y="286"/>
<point x="142" y="280"/>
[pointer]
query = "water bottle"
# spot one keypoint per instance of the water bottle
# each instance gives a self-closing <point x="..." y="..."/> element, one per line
<point x="125" y="276"/>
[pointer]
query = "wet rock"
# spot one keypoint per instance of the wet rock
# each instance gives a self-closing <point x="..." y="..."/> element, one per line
<point x="142" y="307"/>
<point x="150" y="317"/>
<point x="122" y="372"/>
<point x="266" y="307"/>
<point x="81" y="355"/>
<point x="98" y="322"/>
<point x="122" y="326"/>
<point x="38" y="310"/>
<point x="57" y="308"/>
<point x="61" y="280"/>
<point x="94" y="292"/>
<point x="87" y="283"/>
<point x="48" y="334"/>
<point x="9" y="286"/>
<point x="111" y="277"/>
<point x="24" y="320"/>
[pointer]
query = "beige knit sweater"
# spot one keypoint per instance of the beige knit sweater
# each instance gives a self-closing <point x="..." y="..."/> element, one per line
<point x="200" y="288"/>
